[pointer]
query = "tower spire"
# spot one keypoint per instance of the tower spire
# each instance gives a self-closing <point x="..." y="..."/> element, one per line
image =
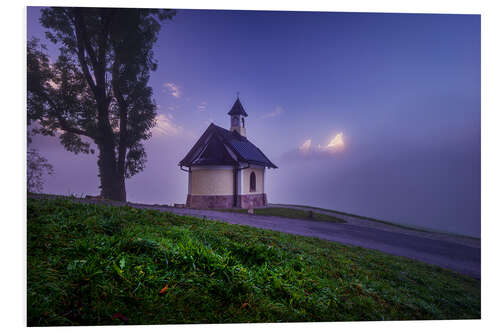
<point x="237" y="115"/>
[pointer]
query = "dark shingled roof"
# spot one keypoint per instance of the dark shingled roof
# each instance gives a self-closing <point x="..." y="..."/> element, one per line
<point x="237" y="109"/>
<point x="218" y="146"/>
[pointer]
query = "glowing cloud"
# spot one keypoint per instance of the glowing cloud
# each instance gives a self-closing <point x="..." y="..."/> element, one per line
<point x="305" y="146"/>
<point x="166" y="126"/>
<point x="202" y="106"/>
<point x="337" y="143"/>
<point x="276" y="112"/>
<point x="174" y="89"/>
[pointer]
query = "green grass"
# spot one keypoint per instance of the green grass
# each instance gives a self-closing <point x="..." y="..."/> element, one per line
<point x="98" y="265"/>
<point x="289" y="213"/>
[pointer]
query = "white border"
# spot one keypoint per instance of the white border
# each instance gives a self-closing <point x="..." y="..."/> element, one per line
<point x="13" y="201"/>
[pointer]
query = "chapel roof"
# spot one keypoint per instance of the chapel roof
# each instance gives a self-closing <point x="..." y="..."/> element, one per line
<point x="218" y="146"/>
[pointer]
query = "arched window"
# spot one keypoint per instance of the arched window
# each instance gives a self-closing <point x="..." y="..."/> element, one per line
<point x="252" y="182"/>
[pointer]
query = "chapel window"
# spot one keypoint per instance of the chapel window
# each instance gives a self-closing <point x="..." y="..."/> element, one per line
<point x="252" y="182"/>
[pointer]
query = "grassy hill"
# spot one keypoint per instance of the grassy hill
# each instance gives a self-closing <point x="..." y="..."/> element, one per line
<point x="95" y="265"/>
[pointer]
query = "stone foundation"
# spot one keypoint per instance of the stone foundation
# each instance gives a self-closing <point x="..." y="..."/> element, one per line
<point x="209" y="201"/>
<point x="225" y="201"/>
<point x="255" y="200"/>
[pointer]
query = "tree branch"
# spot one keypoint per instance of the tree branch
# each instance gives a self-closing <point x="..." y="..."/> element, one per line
<point x="63" y="123"/>
<point x="82" y="30"/>
<point x="99" y="69"/>
<point x="78" y="22"/>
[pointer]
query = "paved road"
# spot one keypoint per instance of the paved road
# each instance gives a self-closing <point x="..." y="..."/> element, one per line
<point x="457" y="253"/>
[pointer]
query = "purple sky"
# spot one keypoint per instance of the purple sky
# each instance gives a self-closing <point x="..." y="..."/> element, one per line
<point x="404" y="91"/>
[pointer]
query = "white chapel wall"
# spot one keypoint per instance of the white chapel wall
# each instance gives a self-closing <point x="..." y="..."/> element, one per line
<point x="211" y="181"/>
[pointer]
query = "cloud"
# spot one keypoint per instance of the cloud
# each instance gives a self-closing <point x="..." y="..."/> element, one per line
<point x="305" y="146"/>
<point x="173" y="107"/>
<point x="276" y="112"/>
<point x="165" y="126"/>
<point x="308" y="150"/>
<point x="202" y="106"/>
<point x="335" y="145"/>
<point x="174" y="89"/>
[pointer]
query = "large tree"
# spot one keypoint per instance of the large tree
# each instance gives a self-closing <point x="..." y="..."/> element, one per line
<point x="97" y="89"/>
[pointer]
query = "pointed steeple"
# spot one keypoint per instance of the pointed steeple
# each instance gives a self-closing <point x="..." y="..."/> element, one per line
<point x="237" y="109"/>
<point x="237" y="114"/>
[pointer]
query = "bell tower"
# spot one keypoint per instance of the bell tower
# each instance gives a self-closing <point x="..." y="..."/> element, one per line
<point x="237" y="115"/>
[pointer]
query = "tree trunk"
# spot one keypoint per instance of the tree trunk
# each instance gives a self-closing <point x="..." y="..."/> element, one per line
<point x="112" y="183"/>
<point x="122" y="142"/>
<point x="121" y="188"/>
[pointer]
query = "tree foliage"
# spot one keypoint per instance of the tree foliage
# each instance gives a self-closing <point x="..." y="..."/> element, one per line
<point x="97" y="90"/>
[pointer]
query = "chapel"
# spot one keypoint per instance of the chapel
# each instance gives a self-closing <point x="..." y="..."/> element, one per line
<point x="225" y="169"/>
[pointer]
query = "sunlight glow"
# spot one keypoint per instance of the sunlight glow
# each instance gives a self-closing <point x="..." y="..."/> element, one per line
<point x="337" y="143"/>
